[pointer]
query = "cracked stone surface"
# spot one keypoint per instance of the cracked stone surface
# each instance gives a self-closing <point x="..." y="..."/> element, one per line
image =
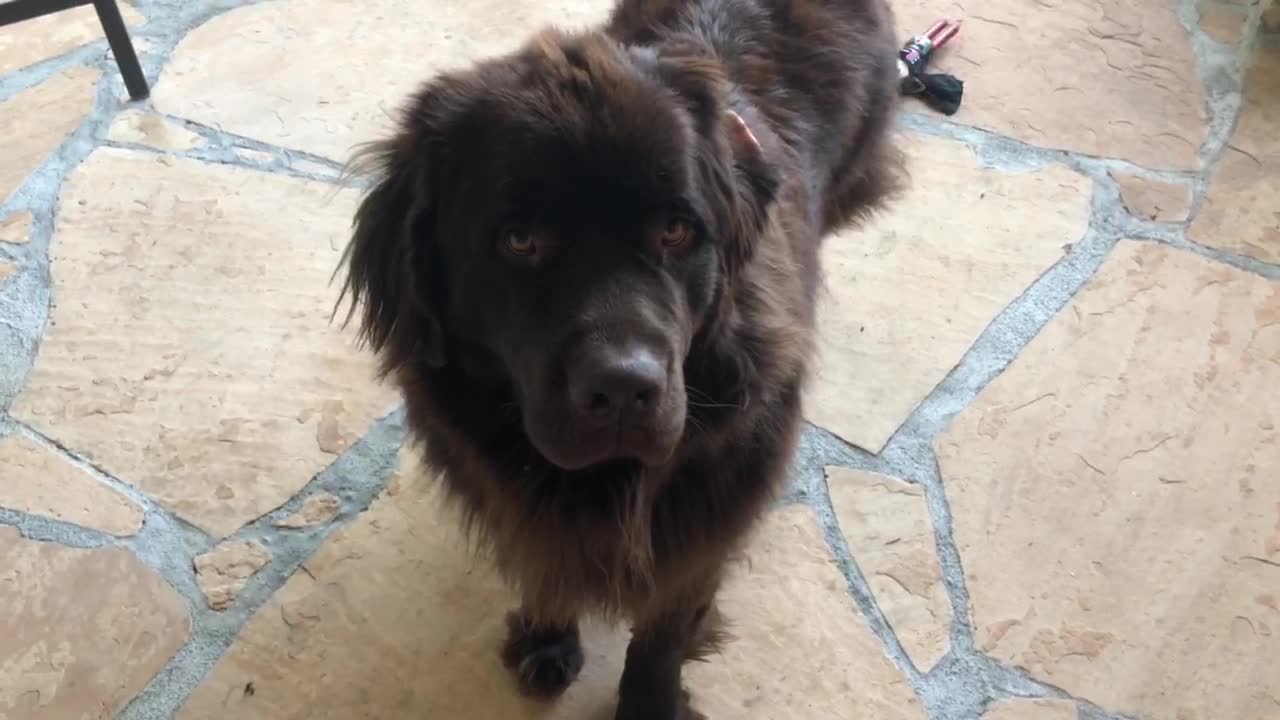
<point x="1240" y="213"/>
<point x="904" y="299"/>
<point x="1037" y="485"/>
<point x="1155" y="200"/>
<point x="887" y="526"/>
<point x="40" y="482"/>
<point x="84" y="629"/>
<point x="137" y="127"/>
<point x="1037" y="709"/>
<point x="1125" y="449"/>
<point x="784" y="666"/>
<point x="305" y="96"/>
<point x="15" y="229"/>
<point x="225" y="570"/>
<point x="45" y="37"/>
<point x="1114" y="78"/>
<point x="35" y="121"/>
<point x="316" y="510"/>
<point x="180" y="296"/>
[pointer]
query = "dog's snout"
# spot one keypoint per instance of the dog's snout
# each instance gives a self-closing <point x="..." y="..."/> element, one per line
<point x="607" y="385"/>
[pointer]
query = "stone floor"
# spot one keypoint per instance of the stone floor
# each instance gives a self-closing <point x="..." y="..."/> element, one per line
<point x="1042" y="480"/>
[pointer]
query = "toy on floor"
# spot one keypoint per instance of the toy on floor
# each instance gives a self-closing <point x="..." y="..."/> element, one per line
<point x="939" y="91"/>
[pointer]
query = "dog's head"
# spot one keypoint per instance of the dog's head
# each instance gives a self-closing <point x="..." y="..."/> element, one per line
<point x="565" y="221"/>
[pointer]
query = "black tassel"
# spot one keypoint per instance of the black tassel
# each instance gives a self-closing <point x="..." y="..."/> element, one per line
<point x="940" y="91"/>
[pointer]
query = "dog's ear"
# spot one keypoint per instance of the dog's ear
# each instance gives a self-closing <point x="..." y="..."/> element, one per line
<point x="755" y="184"/>
<point x="389" y="262"/>
<point x="731" y="163"/>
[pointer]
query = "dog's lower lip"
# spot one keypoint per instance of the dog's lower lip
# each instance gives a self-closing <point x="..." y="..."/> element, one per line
<point x="587" y="461"/>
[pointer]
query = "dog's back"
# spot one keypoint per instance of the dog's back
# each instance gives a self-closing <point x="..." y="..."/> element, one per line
<point x="821" y="72"/>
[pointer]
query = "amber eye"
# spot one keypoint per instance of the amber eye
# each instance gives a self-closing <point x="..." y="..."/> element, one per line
<point x="519" y="242"/>
<point x="675" y="234"/>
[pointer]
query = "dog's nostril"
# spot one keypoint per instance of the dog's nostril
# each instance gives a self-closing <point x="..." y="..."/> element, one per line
<point x="599" y="403"/>
<point x="608" y="384"/>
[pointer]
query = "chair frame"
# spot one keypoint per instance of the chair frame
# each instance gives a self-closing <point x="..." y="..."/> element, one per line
<point x="14" y="11"/>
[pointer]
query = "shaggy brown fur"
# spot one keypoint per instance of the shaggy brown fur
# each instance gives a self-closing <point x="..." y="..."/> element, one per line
<point x="654" y="190"/>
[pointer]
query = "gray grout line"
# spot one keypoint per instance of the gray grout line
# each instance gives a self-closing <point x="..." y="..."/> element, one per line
<point x="27" y="296"/>
<point x="356" y="478"/>
<point x="224" y="139"/>
<point x="89" y="55"/>
<point x="280" y="162"/>
<point x="996" y="347"/>
<point x="1007" y="153"/>
<point x="1240" y="262"/>
<point x="1221" y="70"/>
<point x="52" y="530"/>
<point x="153" y="511"/>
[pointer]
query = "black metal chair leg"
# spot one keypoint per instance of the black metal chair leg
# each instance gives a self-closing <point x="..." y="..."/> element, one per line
<point x="118" y="37"/>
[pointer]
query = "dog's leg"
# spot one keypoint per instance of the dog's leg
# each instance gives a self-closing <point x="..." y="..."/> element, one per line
<point x="545" y="659"/>
<point x="651" y="688"/>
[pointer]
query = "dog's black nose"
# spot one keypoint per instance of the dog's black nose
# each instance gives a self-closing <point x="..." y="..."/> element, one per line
<point x="609" y="384"/>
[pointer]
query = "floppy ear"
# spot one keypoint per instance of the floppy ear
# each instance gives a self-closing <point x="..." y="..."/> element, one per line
<point x="389" y="259"/>
<point x="740" y="182"/>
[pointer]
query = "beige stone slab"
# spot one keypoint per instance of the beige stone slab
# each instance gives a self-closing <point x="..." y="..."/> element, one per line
<point x="31" y="41"/>
<point x="803" y="651"/>
<point x="318" y="509"/>
<point x="1114" y="495"/>
<point x="1115" y="78"/>
<point x="392" y="619"/>
<point x="15" y="228"/>
<point x="278" y="78"/>
<point x="38" y="482"/>
<point x="906" y="296"/>
<point x="142" y="128"/>
<point x="1240" y="213"/>
<point x="35" y="121"/>
<point x="223" y="572"/>
<point x="7" y="270"/>
<point x="887" y="525"/>
<point x="1152" y="199"/>
<point x="190" y="351"/>
<point x="84" y="630"/>
<point x="1031" y="709"/>
<point x="1223" y="21"/>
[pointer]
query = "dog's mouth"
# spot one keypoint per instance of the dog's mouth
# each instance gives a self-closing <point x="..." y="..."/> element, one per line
<point x="572" y="445"/>
<point x="581" y="450"/>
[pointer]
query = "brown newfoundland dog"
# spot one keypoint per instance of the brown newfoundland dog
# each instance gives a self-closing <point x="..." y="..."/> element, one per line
<point x="591" y="267"/>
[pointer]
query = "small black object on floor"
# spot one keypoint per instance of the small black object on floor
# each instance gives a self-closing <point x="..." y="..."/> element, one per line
<point x="940" y="91"/>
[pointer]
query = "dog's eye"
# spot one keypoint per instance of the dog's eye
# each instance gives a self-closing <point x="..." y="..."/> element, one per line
<point x="523" y="243"/>
<point x="676" y="233"/>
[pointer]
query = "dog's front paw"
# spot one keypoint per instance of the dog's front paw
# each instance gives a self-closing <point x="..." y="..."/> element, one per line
<point x="544" y="661"/>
